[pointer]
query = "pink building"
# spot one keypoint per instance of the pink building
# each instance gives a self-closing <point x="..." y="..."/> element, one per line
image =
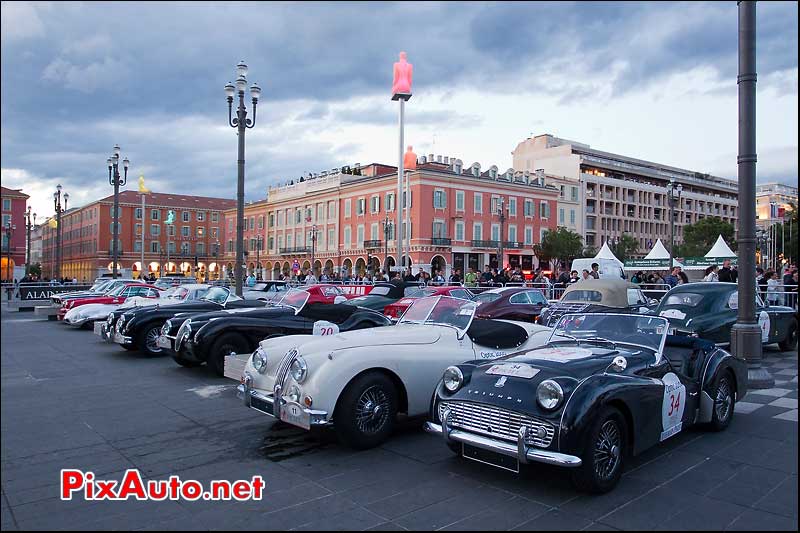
<point x="453" y="213"/>
<point x="14" y="206"/>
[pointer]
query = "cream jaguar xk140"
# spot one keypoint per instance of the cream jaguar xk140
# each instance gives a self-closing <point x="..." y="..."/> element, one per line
<point x="358" y="381"/>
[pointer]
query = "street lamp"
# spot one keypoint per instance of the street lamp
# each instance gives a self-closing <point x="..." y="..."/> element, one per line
<point x="501" y="213"/>
<point x="116" y="181"/>
<point x="59" y="209"/>
<point x="673" y="195"/>
<point x="387" y="229"/>
<point x="8" y="230"/>
<point x="259" y="240"/>
<point x="30" y="222"/>
<point x="313" y="247"/>
<point x="241" y="123"/>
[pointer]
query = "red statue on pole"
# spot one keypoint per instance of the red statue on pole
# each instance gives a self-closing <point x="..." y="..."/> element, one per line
<point x="403" y="76"/>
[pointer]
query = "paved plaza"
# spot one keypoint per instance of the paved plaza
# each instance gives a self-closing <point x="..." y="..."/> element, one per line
<point x="70" y="400"/>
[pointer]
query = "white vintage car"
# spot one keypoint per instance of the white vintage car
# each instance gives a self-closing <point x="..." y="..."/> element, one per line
<point x="362" y="379"/>
<point x="84" y="315"/>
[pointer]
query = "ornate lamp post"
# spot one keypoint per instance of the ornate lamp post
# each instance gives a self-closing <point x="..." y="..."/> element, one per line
<point x="29" y="224"/>
<point x="501" y="213"/>
<point x="59" y="209"/>
<point x="673" y="195"/>
<point x="116" y="181"/>
<point x="387" y="228"/>
<point x="259" y="241"/>
<point x="241" y="123"/>
<point x="8" y="231"/>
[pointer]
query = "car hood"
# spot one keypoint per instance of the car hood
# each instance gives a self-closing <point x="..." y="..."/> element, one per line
<point x="380" y="336"/>
<point x="576" y="362"/>
<point x="91" y="310"/>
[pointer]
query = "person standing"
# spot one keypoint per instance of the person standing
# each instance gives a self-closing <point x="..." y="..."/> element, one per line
<point x="595" y="273"/>
<point x="772" y="287"/>
<point x="712" y="273"/>
<point x="471" y="278"/>
<point x="573" y="277"/>
<point x="725" y="273"/>
<point x="672" y="278"/>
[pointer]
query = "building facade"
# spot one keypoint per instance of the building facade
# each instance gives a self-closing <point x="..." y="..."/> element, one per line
<point x="191" y="244"/>
<point x="340" y="222"/>
<point x="773" y="199"/>
<point x="15" y="203"/>
<point x="620" y="195"/>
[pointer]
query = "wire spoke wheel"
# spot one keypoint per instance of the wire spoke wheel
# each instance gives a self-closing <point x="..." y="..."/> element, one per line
<point x="151" y="340"/>
<point x="607" y="450"/>
<point x="723" y="402"/>
<point x="372" y="410"/>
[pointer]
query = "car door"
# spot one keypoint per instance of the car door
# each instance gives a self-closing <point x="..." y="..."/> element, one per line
<point x="681" y="397"/>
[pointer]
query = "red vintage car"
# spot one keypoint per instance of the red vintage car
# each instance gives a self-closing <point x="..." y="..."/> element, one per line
<point x="116" y="296"/>
<point x="395" y="310"/>
<point x="328" y="293"/>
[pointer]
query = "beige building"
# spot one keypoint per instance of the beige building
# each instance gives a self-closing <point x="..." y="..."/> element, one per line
<point x="770" y="199"/>
<point x="622" y="195"/>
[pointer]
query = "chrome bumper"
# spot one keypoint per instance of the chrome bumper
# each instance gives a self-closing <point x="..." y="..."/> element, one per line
<point x="267" y="405"/>
<point x="119" y="338"/>
<point x="520" y="451"/>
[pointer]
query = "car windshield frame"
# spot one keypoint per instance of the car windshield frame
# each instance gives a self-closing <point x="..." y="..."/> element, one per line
<point x="287" y="300"/>
<point x="483" y="297"/>
<point x="427" y="305"/>
<point x="656" y="348"/>
<point x="116" y="291"/>
<point x="227" y="295"/>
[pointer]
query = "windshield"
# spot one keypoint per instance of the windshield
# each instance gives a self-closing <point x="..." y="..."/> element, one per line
<point x="582" y="296"/>
<point x="381" y="290"/>
<point x="117" y="290"/>
<point x="487" y="297"/>
<point x="442" y="310"/>
<point x="613" y="328"/>
<point x="217" y="295"/>
<point x="683" y="299"/>
<point x="295" y="299"/>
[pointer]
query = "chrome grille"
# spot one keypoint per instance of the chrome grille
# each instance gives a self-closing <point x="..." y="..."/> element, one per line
<point x="558" y="310"/>
<point x="497" y="422"/>
<point x="283" y="366"/>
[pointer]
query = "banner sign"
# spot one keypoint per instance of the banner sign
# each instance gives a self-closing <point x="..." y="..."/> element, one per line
<point x="44" y="292"/>
<point x="647" y="263"/>
<point x="708" y="261"/>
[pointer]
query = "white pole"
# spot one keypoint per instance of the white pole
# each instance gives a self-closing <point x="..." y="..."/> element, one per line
<point x="399" y="201"/>
<point x="407" y="236"/>
<point x="141" y="266"/>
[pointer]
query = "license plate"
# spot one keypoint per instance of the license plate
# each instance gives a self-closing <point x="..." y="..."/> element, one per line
<point x="98" y="328"/>
<point x="516" y="370"/>
<point x="164" y="342"/>
<point x="490" y="458"/>
<point x="293" y="413"/>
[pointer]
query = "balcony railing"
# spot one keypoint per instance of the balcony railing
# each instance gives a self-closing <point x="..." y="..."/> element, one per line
<point x="295" y="250"/>
<point x="374" y="243"/>
<point x="485" y="244"/>
<point x="441" y="241"/>
<point x="512" y="244"/>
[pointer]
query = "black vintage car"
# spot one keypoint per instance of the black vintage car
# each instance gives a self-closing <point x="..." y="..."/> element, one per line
<point x="383" y="294"/>
<point x="139" y="328"/>
<point x="604" y="387"/>
<point x="210" y="337"/>
<point x="598" y="296"/>
<point x="709" y="310"/>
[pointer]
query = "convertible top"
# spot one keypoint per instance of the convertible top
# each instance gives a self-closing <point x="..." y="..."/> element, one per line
<point x="496" y="333"/>
<point x="336" y="313"/>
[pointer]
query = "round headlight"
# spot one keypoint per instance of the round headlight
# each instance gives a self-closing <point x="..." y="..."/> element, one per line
<point x="453" y="378"/>
<point x="549" y="394"/>
<point x="294" y="394"/>
<point x="260" y="360"/>
<point x="298" y="370"/>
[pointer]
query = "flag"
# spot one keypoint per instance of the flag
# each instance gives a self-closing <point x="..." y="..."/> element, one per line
<point x="142" y="188"/>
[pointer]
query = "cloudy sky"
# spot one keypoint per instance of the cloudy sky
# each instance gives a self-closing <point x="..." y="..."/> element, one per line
<point x="650" y="80"/>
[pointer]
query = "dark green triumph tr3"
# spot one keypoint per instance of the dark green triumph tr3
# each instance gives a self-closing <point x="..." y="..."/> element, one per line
<point x="709" y="309"/>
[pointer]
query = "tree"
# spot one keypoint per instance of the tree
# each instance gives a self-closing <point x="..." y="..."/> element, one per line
<point x="786" y="234"/>
<point x="36" y="270"/>
<point x="589" y="251"/>
<point x="559" y="246"/>
<point x="698" y="238"/>
<point x="625" y="247"/>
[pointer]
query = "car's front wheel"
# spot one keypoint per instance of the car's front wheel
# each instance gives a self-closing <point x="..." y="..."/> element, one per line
<point x="789" y="344"/>
<point x="230" y="343"/>
<point x="147" y="340"/>
<point x="366" y="411"/>
<point x="722" y="394"/>
<point x="604" y="454"/>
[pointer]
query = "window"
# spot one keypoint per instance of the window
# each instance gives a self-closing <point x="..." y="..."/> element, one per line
<point x="360" y="236"/>
<point x="459" y="200"/>
<point x="271" y="243"/>
<point x="111" y="228"/>
<point x="512" y="233"/>
<point x="230" y="246"/>
<point x="138" y="230"/>
<point x="375" y="204"/>
<point x="544" y="210"/>
<point x="331" y="239"/>
<point x="361" y="206"/>
<point x="186" y="248"/>
<point x="252" y="224"/>
<point x="171" y="247"/>
<point x="320" y="211"/>
<point x="138" y="213"/>
<point x="215" y="217"/>
<point x="478" y="205"/>
<point x="373" y="232"/>
<point x="477" y="231"/>
<point x="185" y="216"/>
<point x="6" y="204"/>
<point x="185" y="231"/>
<point x="200" y="231"/>
<point x="529" y="211"/>
<point x="439" y="229"/>
<point x="459" y="230"/>
<point x="495" y="232"/>
<point x="410" y="199"/>
<point x="155" y="230"/>
<point x="155" y="247"/>
<point x="574" y="194"/>
<point x="309" y="213"/>
<point x="494" y="203"/>
<point x="561" y="215"/>
<point x="171" y="230"/>
<point x="280" y="241"/>
<point x="111" y="211"/>
<point x="528" y="235"/>
<point x="155" y="214"/>
<point x="261" y="222"/>
<point x="347" y="237"/>
<point x="201" y="216"/>
<point x="572" y="217"/>
<point x="347" y="208"/>
<point x="439" y="199"/>
<point x="201" y="248"/>
<point x="331" y="210"/>
<point x="297" y="216"/>
<point x="389" y="202"/>
<point x="512" y="206"/>
<point x="289" y="240"/>
<point x="137" y="245"/>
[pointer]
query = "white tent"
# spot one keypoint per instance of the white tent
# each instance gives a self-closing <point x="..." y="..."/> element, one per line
<point x="720" y="249"/>
<point x="606" y="253"/>
<point x="660" y="252"/>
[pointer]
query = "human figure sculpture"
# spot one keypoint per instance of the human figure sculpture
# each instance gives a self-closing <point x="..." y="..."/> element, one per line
<point x="410" y="159"/>
<point x="403" y="73"/>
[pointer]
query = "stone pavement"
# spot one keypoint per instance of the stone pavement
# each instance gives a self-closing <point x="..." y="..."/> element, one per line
<point x="72" y="401"/>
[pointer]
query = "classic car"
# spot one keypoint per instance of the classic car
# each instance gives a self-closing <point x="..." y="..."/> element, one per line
<point x="605" y="387"/>
<point x="513" y="303"/>
<point x="99" y="288"/>
<point x="116" y="296"/>
<point x="139" y="329"/>
<point x="266" y="290"/>
<point x="362" y="379"/>
<point x="598" y="296"/>
<point x="210" y="337"/>
<point x="384" y="293"/>
<point x="174" y="281"/>
<point x="709" y="310"/>
<point x="395" y="310"/>
<point x="87" y="314"/>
